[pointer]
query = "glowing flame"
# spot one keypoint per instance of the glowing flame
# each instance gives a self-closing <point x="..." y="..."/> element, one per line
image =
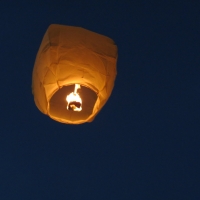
<point x="74" y="101"/>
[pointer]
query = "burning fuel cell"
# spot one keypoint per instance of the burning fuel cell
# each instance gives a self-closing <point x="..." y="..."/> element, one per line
<point x="74" y="101"/>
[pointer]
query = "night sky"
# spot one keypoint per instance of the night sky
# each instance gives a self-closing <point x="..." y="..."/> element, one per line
<point x="145" y="142"/>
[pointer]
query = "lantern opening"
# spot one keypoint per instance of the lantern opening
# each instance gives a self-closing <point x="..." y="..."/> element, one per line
<point x="58" y="105"/>
<point x="74" y="101"/>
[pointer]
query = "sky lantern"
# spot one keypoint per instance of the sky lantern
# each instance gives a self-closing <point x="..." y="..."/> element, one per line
<point x="74" y="73"/>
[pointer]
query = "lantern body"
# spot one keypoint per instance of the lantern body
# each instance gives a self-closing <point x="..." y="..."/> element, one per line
<point x="73" y="55"/>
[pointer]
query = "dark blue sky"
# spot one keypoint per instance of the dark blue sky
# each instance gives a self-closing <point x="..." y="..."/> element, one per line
<point x="144" y="144"/>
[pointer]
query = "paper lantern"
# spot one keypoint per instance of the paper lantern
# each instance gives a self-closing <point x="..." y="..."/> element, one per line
<point x="76" y="61"/>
